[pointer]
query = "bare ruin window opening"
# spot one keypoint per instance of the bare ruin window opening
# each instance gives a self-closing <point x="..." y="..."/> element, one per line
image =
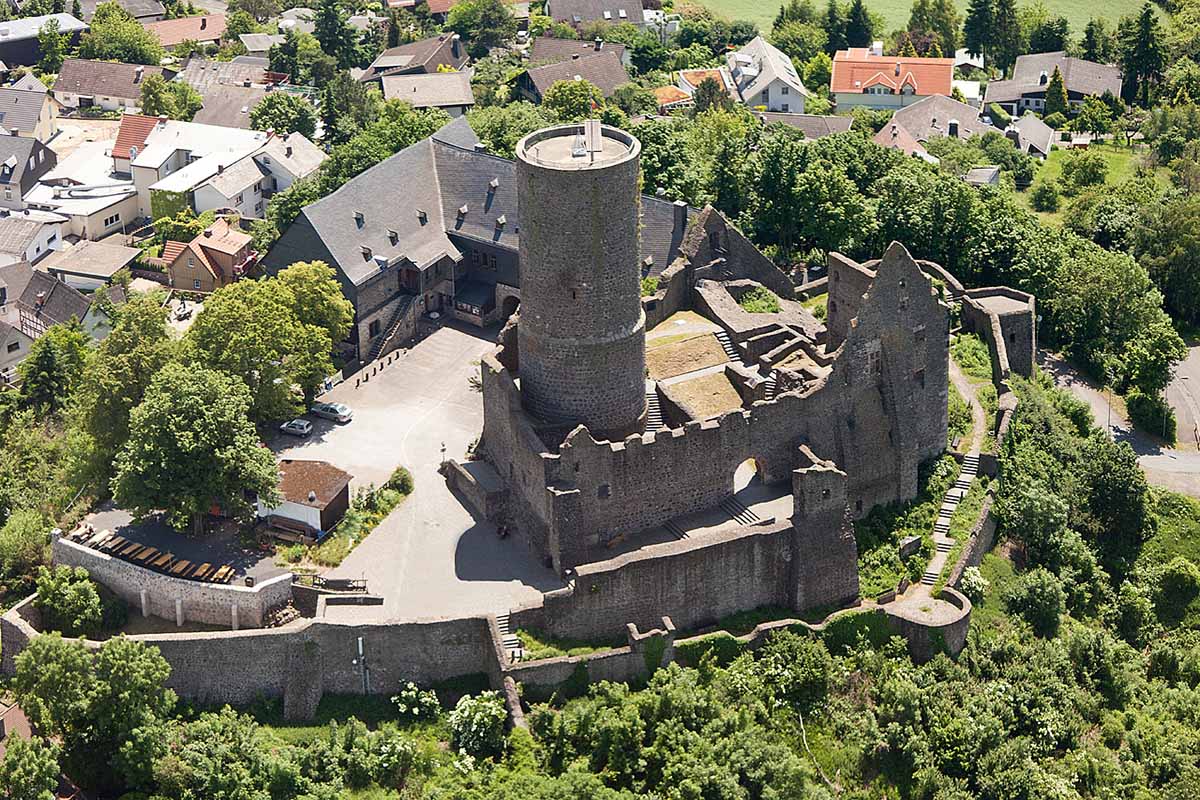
<point x="919" y="377"/>
<point x="858" y="505"/>
<point x="747" y="475"/>
<point x="604" y="491"/>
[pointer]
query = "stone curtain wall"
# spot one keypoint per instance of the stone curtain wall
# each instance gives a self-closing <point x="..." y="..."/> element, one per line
<point x="209" y="603"/>
<point x="981" y="539"/>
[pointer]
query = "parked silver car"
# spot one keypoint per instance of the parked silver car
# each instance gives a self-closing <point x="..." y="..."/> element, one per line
<point x="338" y="412"/>
<point x="296" y="427"/>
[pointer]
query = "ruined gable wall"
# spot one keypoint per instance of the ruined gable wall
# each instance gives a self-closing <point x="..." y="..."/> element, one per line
<point x="713" y="237"/>
<point x="848" y="282"/>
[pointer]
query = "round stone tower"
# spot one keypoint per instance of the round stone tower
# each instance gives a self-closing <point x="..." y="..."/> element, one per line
<point x="582" y="333"/>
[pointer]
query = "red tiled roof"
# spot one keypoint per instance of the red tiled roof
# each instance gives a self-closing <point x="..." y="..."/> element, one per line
<point x="171" y="32"/>
<point x="171" y="250"/>
<point x="299" y="477"/>
<point x="855" y="70"/>
<point x="440" y="6"/>
<point x="697" y="76"/>
<point x="894" y="136"/>
<point x="132" y="133"/>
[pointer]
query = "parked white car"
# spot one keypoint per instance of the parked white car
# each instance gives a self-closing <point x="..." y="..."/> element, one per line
<point x="296" y="427"/>
<point x="338" y="412"/>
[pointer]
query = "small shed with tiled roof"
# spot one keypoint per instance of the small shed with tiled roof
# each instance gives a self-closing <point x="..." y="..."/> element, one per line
<point x="315" y="494"/>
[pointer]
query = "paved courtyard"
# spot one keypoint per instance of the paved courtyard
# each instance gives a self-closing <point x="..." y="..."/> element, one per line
<point x="429" y="558"/>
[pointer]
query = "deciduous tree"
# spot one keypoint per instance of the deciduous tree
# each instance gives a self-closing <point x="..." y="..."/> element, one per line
<point x="284" y="113"/>
<point x="483" y="24"/>
<point x="29" y="769"/>
<point x="53" y="47"/>
<point x="571" y="101"/>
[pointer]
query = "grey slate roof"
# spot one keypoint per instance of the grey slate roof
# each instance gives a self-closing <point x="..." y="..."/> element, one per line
<point x="575" y="12"/>
<point x="60" y="302"/>
<point x="202" y="73"/>
<point x="549" y="50"/>
<point x="1079" y="76"/>
<point x="438" y="176"/>
<point x="94" y="259"/>
<point x="931" y="116"/>
<point x="430" y="90"/>
<point x="104" y="78"/>
<point x="770" y="63"/>
<point x="260" y="42"/>
<point x="1032" y="133"/>
<point x="148" y="10"/>
<point x="17" y="234"/>
<point x="21" y="108"/>
<point x="13" y="280"/>
<point x="982" y="176"/>
<point x="16" y="153"/>
<point x="604" y="69"/>
<point x="814" y="126"/>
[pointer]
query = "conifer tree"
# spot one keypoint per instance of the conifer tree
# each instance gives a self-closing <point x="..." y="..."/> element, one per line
<point x="859" y="29"/>
<point x="977" y="30"/>
<point x="1056" y="95"/>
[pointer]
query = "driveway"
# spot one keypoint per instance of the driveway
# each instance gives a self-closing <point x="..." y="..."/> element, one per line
<point x="1184" y="396"/>
<point x="429" y="558"/>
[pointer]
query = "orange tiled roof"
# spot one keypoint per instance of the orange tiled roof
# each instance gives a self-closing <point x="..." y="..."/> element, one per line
<point x="132" y="133"/>
<point x="855" y="70"/>
<point x="171" y="32"/>
<point x="695" y="77"/>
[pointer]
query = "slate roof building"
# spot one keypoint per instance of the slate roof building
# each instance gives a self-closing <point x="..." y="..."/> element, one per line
<point x="84" y="189"/>
<point x="814" y="126"/>
<point x="260" y="44"/>
<point x="29" y="236"/>
<point x="1031" y="135"/>
<point x="229" y="106"/>
<point x="938" y="115"/>
<point x="206" y="29"/>
<point x="83" y="83"/>
<point x="1026" y="90"/>
<point x="23" y="161"/>
<point x="451" y="248"/>
<point x="449" y="91"/>
<point x="895" y="137"/>
<point x="27" y="109"/>
<point x="863" y="76"/>
<point x="766" y="78"/>
<point x="444" y="51"/>
<point x="217" y="257"/>
<point x="47" y="301"/>
<point x="14" y="347"/>
<point x="19" y="45"/>
<point x="604" y="69"/>
<point x="983" y="176"/>
<point x="577" y="12"/>
<point x="88" y="265"/>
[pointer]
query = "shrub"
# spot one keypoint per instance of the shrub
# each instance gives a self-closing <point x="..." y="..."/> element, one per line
<point x="1044" y="196"/>
<point x="1151" y="414"/>
<point x="1178" y="587"/>
<point x="1039" y="599"/>
<point x="649" y="286"/>
<point x="415" y="704"/>
<point x="477" y="725"/>
<point x="1057" y="120"/>
<point x="972" y="356"/>
<point x="1083" y="168"/>
<point x="796" y="668"/>
<point x="723" y="646"/>
<point x="23" y="542"/>
<point x="999" y="115"/>
<point x="973" y="584"/>
<point x="69" y="601"/>
<point x="401" y="481"/>
<point x="760" y="300"/>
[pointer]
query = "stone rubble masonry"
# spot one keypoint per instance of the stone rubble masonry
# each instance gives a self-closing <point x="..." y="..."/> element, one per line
<point x="208" y="603"/>
<point x="1011" y="335"/>
<point x="582" y="334"/>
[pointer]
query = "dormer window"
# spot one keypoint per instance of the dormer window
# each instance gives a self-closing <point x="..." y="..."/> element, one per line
<point x="493" y="184"/>
<point x="393" y="237"/>
<point x="621" y="13"/>
<point x="366" y="253"/>
<point x="359" y="219"/>
<point x="501" y="221"/>
<point x="422" y="217"/>
<point x="608" y="15"/>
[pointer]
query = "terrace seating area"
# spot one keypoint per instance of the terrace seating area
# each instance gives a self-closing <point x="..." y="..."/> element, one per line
<point x="150" y="557"/>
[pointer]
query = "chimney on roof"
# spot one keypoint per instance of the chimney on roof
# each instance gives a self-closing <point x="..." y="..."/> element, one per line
<point x="203" y="23"/>
<point x="897" y="69"/>
<point x="208" y="233"/>
<point x="41" y="299"/>
<point x="480" y="147"/>
<point x="660" y="192"/>
<point x="877" y="48"/>
<point x="312" y="496"/>
<point x="15" y="132"/>
<point x="574" y="56"/>
<point x="680" y="220"/>
<point x="220" y="168"/>
<point x="454" y="45"/>
<point x="287" y="151"/>
<point x="599" y="43"/>
<point x="138" y="73"/>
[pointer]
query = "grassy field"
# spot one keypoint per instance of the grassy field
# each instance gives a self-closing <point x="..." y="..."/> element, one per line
<point x="895" y="12"/>
<point x="1122" y="165"/>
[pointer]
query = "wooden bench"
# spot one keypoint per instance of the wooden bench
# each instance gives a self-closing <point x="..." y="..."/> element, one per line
<point x="289" y="530"/>
<point x="97" y="541"/>
<point x="113" y="544"/>
<point x="181" y="568"/>
<point x="127" y="552"/>
<point x="163" y="561"/>
<point x="145" y="556"/>
<point x="222" y="575"/>
<point x="202" y="572"/>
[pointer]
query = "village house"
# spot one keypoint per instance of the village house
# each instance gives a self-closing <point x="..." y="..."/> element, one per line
<point x="315" y="495"/>
<point x="141" y="10"/>
<point x="83" y="83"/>
<point x="435" y="54"/>
<point x="207" y="29"/>
<point x="259" y="45"/>
<point x="14" y="347"/>
<point x="88" y="265"/>
<point x="938" y="115"/>
<point x="29" y="235"/>
<point x="813" y="126"/>
<point x="550" y="50"/>
<point x="603" y="69"/>
<point x="217" y="257"/>
<point x="449" y="91"/>
<point x="766" y="79"/>
<point x="23" y="161"/>
<point x="46" y="301"/>
<point x="645" y="16"/>
<point x="864" y="77"/>
<point x="27" y="109"/>
<point x="84" y="189"/>
<point x="1026" y="90"/>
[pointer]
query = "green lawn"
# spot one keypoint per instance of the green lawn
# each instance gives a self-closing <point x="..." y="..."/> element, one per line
<point x="895" y="12"/>
<point x="1122" y="165"/>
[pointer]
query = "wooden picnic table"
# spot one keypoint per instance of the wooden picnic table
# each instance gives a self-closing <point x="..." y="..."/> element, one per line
<point x="202" y="572"/>
<point x="99" y="538"/>
<point x="181" y="568"/>
<point x="163" y="561"/>
<point x="145" y="556"/>
<point x="222" y="575"/>
<point x="130" y="549"/>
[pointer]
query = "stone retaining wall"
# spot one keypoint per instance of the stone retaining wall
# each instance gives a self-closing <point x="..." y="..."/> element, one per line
<point x="166" y="597"/>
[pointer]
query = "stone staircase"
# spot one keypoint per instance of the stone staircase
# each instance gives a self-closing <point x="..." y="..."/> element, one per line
<point x="510" y="641"/>
<point x="770" y="386"/>
<point x="654" y="417"/>
<point x="393" y="325"/>
<point x="728" y="346"/>
<point x="742" y="515"/>
<point x="942" y="541"/>
<point x="675" y="530"/>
